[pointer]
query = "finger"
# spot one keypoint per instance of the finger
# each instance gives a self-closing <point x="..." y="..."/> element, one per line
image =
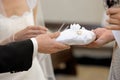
<point x="113" y="11"/>
<point x="31" y="36"/>
<point x="34" y="32"/>
<point x="91" y="45"/>
<point x="44" y="28"/>
<point x="116" y="16"/>
<point x="96" y="44"/>
<point x="113" y="27"/>
<point x="113" y="21"/>
<point x="43" y="32"/>
<point x="61" y="46"/>
<point x="94" y="31"/>
<point x="38" y="32"/>
<point x="54" y="35"/>
<point x="100" y="41"/>
<point x="37" y="28"/>
<point x="32" y="28"/>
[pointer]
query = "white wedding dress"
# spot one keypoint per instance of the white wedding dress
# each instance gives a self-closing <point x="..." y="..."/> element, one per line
<point x="11" y="25"/>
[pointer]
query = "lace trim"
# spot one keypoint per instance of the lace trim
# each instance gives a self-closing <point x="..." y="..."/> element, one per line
<point x="16" y="16"/>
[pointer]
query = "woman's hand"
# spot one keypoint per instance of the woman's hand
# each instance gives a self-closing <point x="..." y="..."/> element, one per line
<point x="103" y="36"/>
<point x="29" y="32"/>
<point x="114" y="18"/>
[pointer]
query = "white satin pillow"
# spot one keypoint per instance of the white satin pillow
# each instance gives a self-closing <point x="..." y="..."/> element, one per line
<point x="76" y="36"/>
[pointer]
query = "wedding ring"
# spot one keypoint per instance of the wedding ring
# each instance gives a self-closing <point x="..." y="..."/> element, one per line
<point x="79" y="32"/>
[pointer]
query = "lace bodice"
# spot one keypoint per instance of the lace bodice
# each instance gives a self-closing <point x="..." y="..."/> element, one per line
<point x="14" y="23"/>
<point x="9" y="26"/>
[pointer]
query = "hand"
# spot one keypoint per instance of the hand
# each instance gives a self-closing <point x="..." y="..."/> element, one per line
<point x="114" y="18"/>
<point x="103" y="35"/>
<point x="29" y="32"/>
<point x="47" y="43"/>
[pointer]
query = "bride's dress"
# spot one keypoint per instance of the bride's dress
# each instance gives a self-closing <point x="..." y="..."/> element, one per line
<point x="11" y="25"/>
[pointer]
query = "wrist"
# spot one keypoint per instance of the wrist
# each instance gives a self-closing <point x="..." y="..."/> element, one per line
<point x="110" y="35"/>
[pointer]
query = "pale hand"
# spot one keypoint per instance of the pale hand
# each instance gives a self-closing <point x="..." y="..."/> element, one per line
<point x="47" y="43"/>
<point x="29" y="32"/>
<point x="114" y="18"/>
<point x="103" y="35"/>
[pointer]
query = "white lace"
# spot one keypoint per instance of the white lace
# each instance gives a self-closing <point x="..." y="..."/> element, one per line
<point x="10" y="25"/>
<point x="15" y="16"/>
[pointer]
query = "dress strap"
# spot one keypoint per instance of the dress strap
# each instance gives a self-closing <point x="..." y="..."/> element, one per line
<point x="31" y="3"/>
<point x="2" y="11"/>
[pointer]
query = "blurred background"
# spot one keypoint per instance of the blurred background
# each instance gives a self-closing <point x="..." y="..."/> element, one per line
<point x="78" y="63"/>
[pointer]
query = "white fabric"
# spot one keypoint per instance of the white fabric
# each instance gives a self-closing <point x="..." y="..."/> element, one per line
<point x="9" y="26"/>
<point x="35" y="45"/>
<point x="76" y="36"/>
<point x="115" y="65"/>
<point x="116" y="34"/>
<point x="45" y="58"/>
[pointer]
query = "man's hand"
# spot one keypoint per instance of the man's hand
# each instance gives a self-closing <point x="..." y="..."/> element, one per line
<point x="114" y="18"/>
<point x="47" y="43"/>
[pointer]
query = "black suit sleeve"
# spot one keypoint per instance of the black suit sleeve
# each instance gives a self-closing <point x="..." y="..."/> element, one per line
<point x="17" y="56"/>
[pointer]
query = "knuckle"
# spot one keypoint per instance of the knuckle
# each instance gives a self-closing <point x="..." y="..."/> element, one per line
<point x="118" y="17"/>
<point x="29" y="27"/>
<point x="27" y="32"/>
<point x="51" y="51"/>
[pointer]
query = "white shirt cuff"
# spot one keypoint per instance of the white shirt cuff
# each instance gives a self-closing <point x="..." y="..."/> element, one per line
<point x="35" y="47"/>
<point x="116" y="34"/>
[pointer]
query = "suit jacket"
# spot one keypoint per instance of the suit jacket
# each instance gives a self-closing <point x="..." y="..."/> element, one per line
<point x="17" y="56"/>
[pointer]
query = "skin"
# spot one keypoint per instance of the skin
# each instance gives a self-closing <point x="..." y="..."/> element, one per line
<point x="114" y="18"/>
<point x="103" y="36"/>
<point x="29" y="32"/>
<point x="47" y="43"/>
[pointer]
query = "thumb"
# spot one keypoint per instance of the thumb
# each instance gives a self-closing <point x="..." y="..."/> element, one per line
<point x="107" y="12"/>
<point x="55" y="35"/>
